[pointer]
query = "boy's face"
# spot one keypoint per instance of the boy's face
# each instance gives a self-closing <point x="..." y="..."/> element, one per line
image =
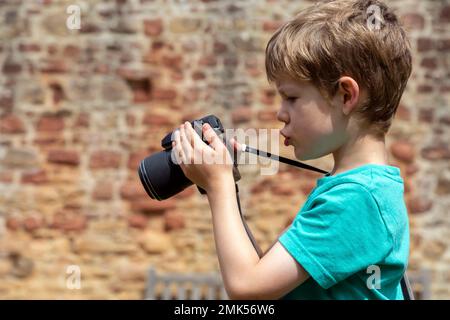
<point x="311" y="125"/>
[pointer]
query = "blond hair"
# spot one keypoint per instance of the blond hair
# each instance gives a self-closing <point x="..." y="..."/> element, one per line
<point x="344" y="37"/>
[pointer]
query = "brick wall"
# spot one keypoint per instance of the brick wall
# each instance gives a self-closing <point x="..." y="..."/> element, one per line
<point x="80" y="108"/>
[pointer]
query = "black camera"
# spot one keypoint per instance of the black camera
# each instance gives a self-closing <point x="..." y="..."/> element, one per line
<point x="161" y="177"/>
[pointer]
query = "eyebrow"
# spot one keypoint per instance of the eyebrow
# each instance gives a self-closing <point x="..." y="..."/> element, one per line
<point x="282" y="92"/>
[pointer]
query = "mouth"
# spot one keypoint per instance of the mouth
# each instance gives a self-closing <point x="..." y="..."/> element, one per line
<point x="286" y="142"/>
<point x="286" y="139"/>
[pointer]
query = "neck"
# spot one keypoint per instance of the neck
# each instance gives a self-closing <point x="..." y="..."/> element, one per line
<point x="359" y="151"/>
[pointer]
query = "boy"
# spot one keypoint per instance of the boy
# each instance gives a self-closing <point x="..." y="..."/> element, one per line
<point x="340" y="74"/>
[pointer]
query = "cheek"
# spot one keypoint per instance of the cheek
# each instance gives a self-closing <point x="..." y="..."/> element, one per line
<point x="314" y="125"/>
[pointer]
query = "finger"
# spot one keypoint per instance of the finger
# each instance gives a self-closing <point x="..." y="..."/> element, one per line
<point x="178" y="150"/>
<point x="186" y="146"/>
<point x="236" y="145"/>
<point x="195" y="139"/>
<point x="188" y="130"/>
<point x="211" y="136"/>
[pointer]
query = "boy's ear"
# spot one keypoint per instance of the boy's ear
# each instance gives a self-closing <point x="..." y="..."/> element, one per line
<point x="348" y="94"/>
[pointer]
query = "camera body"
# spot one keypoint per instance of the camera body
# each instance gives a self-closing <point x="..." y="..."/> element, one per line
<point x="161" y="177"/>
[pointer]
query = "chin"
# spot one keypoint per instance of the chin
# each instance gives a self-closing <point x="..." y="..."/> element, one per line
<point x="305" y="156"/>
<point x="300" y="156"/>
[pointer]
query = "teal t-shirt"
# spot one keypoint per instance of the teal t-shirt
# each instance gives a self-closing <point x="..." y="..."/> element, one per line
<point x="352" y="236"/>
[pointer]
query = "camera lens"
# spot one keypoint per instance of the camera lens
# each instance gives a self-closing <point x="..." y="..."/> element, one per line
<point x="160" y="177"/>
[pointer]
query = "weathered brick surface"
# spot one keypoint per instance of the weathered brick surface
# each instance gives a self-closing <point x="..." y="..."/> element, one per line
<point x="80" y="109"/>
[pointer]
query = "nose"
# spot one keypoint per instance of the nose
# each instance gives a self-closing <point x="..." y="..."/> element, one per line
<point x="282" y="115"/>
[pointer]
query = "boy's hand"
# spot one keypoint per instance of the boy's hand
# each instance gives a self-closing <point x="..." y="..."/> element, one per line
<point x="208" y="166"/>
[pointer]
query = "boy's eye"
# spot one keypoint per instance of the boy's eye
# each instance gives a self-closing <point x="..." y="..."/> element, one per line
<point x="290" y="99"/>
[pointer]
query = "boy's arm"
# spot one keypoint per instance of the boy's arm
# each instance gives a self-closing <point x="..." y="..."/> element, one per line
<point x="276" y="241"/>
<point x="245" y="275"/>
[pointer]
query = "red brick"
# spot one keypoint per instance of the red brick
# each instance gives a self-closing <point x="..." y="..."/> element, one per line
<point x="403" y="113"/>
<point x="11" y="124"/>
<point x="164" y="94"/>
<point x="50" y="123"/>
<point x="71" y="51"/>
<point x="141" y="89"/>
<point x="82" y="121"/>
<point x="130" y="119"/>
<point x="443" y="187"/>
<point x="268" y="97"/>
<point x="32" y="223"/>
<point x="429" y="63"/>
<point x="10" y="68"/>
<point x="52" y="49"/>
<point x="198" y="75"/>
<point x="419" y="205"/>
<point x="35" y="177"/>
<point x="61" y="156"/>
<point x="271" y="26"/>
<point x="424" y="44"/>
<point x="157" y="45"/>
<point x="424" y="88"/>
<point x="219" y="47"/>
<point x="174" y="61"/>
<point x="153" y="28"/>
<point x="208" y="61"/>
<point x="443" y="45"/>
<point x="403" y="150"/>
<point x="6" y="103"/>
<point x="267" y="115"/>
<point x="152" y="206"/>
<point x="444" y="16"/>
<point x="13" y="223"/>
<point x="308" y="186"/>
<point x="69" y="221"/>
<point x="445" y="119"/>
<point x="139" y="221"/>
<point x="444" y="88"/>
<point x="413" y="21"/>
<point x="152" y="57"/>
<point x="139" y="83"/>
<point x="257" y="188"/>
<point x="132" y="190"/>
<point x="190" y="96"/>
<point x="230" y="62"/>
<point x="176" y="75"/>
<point x="241" y="115"/>
<point x="103" y="191"/>
<point x="57" y="92"/>
<point x="426" y="115"/>
<point x="282" y="190"/>
<point x="89" y="27"/>
<point x="29" y="47"/>
<point x="54" y="66"/>
<point x="173" y="220"/>
<point x="135" y="159"/>
<point x="48" y="140"/>
<point x="191" y="116"/>
<point x="186" y="193"/>
<point x="6" y="177"/>
<point x="411" y="169"/>
<point x="105" y="159"/>
<point x="157" y="120"/>
<point x="436" y="152"/>
<point x="252" y="68"/>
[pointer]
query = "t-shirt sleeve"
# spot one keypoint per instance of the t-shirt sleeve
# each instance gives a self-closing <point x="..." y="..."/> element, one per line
<point x="342" y="232"/>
